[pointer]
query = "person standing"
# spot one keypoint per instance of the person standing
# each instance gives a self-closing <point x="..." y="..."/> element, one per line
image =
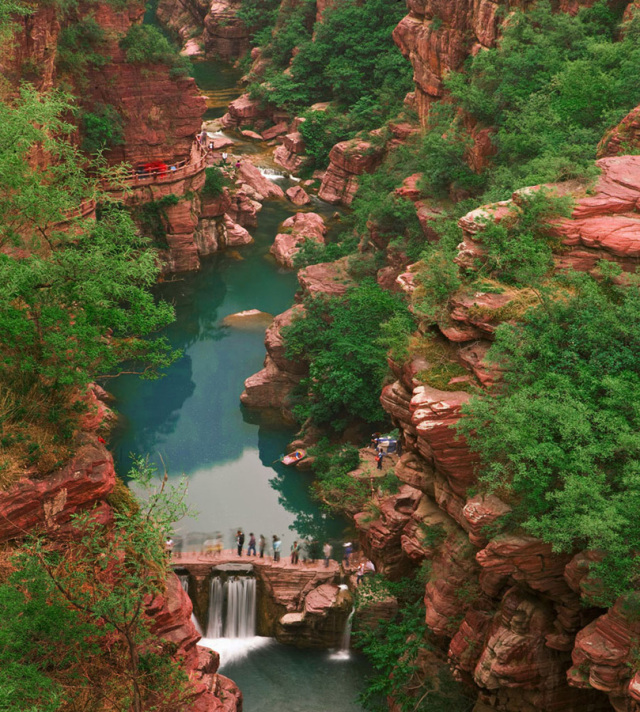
<point x="277" y="544"/>
<point x="263" y="545"/>
<point x="168" y="546"/>
<point x="295" y="552"/>
<point x="348" y="550"/>
<point x="224" y="158"/>
<point x="327" y="550"/>
<point x="240" y="541"/>
<point x="252" y="545"/>
<point x="379" y="457"/>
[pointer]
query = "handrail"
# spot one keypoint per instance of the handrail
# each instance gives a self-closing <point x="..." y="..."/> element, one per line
<point x="182" y="169"/>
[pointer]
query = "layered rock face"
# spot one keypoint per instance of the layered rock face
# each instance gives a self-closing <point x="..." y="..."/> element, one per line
<point x="437" y="36"/>
<point x="160" y="114"/>
<point x="33" y="49"/>
<point x="511" y="612"/>
<point x="225" y="35"/>
<point x="272" y="387"/>
<point x="347" y="161"/>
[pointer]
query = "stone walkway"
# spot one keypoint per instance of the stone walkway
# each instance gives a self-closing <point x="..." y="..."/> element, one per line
<point x="229" y="556"/>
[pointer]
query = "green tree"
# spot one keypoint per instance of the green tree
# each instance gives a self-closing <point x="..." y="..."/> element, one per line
<point x="560" y="439"/>
<point x="338" y="336"/>
<point x="86" y="599"/>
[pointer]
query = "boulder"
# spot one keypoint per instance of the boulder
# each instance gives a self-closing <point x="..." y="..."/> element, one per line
<point x="251" y="176"/>
<point x="298" y="195"/>
<point x="329" y="278"/>
<point x="299" y="227"/>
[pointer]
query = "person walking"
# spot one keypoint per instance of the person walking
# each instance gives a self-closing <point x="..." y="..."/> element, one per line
<point x="263" y="545"/>
<point x="327" y="549"/>
<point x="252" y="545"/>
<point x="295" y="552"/>
<point x="240" y="541"/>
<point x="277" y="544"/>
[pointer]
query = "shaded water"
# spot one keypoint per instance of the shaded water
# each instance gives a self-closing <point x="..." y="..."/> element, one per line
<point x="218" y="81"/>
<point x="192" y="419"/>
<point x="277" y="678"/>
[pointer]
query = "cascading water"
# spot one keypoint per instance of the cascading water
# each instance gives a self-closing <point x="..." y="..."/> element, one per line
<point x="240" y="594"/>
<point x="184" y="581"/>
<point x="216" y="602"/>
<point x="346" y="635"/>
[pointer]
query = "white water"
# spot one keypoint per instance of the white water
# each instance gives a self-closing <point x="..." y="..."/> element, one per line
<point x="184" y="581"/>
<point x="233" y="649"/>
<point x="345" y="645"/>
<point x="240" y="594"/>
<point x="216" y="601"/>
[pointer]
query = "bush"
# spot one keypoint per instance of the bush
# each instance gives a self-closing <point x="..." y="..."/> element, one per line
<point x="102" y="128"/>
<point x="214" y="182"/>
<point x="145" y="44"/>
<point x="79" y="46"/>
<point x="338" y="336"/>
<point x="560" y="438"/>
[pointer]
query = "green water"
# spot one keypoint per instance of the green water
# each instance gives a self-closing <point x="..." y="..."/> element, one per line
<point x="274" y="678"/>
<point x="192" y="419"/>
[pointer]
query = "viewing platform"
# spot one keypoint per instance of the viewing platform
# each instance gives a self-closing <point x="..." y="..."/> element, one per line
<point x="160" y="172"/>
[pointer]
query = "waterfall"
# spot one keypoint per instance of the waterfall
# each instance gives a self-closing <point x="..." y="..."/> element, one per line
<point x="184" y="582"/>
<point x="216" y="600"/>
<point x="240" y="594"/>
<point x="346" y="635"/>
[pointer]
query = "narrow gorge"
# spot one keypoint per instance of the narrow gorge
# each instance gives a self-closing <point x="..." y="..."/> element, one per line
<point x="347" y="280"/>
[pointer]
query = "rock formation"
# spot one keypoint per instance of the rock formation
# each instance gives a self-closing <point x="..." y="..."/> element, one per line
<point x="299" y="227"/>
<point x="347" y="161"/>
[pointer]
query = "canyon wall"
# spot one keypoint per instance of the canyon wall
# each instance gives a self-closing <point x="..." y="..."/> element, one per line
<point x="510" y="613"/>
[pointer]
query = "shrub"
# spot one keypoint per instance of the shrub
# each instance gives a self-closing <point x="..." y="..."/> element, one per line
<point x="214" y="182"/>
<point x="102" y="128"/>
<point x="338" y="336"/>
<point x="560" y="438"/>
<point x="145" y="44"/>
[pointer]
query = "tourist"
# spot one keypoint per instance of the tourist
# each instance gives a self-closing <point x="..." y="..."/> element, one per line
<point x="252" y="545"/>
<point x="359" y="573"/>
<point x="295" y="552"/>
<point x="348" y="550"/>
<point x="327" y="549"/>
<point x="240" y="541"/>
<point x="211" y="145"/>
<point x="168" y="545"/>
<point x="263" y="545"/>
<point x="277" y="544"/>
<point x="219" y="546"/>
<point x="224" y="158"/>
<point x="379" y="458"/>
<point x="237" y="165"/>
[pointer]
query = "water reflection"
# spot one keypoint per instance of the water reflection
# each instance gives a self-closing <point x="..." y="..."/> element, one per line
<point x="192" y="419"/>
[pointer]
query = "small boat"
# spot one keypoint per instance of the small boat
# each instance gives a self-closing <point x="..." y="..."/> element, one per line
<point x="293" y="457"/>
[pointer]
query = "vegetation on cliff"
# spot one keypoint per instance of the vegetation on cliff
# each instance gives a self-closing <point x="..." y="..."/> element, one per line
<point x="75" y="298"/>
<point x="348" y="59"/>
<point x="340" y="337"/>
<point x="74" y="633"/>
<point x="559" y="437"/>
